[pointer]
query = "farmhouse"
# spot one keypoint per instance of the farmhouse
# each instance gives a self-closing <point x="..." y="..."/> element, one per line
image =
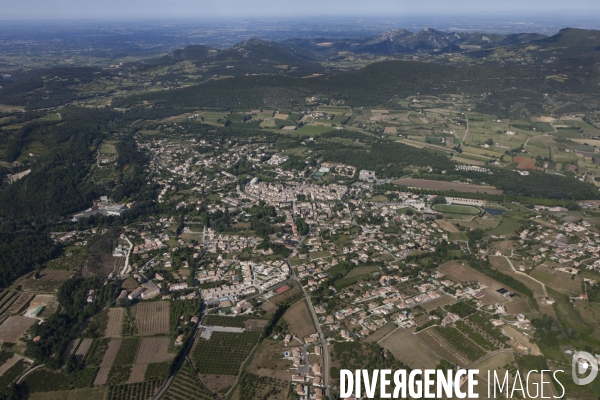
<point x="178" y="286"/>
<point x="136" y="293"/>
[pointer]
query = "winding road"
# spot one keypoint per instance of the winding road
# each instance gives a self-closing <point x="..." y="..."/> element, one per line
<point x="462" y="143"/>
<point x="524" y="274"/>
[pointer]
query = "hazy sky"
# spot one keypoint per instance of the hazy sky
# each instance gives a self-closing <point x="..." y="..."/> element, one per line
<point x="195" y="9"/>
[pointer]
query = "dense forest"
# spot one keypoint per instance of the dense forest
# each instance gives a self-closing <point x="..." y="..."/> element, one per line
<point x="23" y="252"/>
<point x="62" y="326"/>
<point x="388" y="159"/>
<point x="59" y="180"/>
<point x="537" y="184"/>
<point x="49" y="87"/>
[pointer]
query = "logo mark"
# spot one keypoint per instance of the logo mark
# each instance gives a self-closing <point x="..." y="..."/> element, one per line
<point x="582" y="362"/>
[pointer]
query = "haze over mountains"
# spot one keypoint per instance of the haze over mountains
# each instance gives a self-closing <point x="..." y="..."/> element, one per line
<point x="298" y="56"/>
<point x="404" y="41"/>
<point x="301" y="58"/>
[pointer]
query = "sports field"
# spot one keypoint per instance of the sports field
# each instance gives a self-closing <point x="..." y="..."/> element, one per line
<point x="456" y="209"/>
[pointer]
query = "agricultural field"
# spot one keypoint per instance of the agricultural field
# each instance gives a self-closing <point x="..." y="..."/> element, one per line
<point x="440" y="346"/>
<point x="268" y="360"/>
<point x="83" y="348"/>
<point x="114" y="326"/>
<point x="448" y="226"/>
<point x="478" y="328"/>
<point x="118" y="374"/>
<point x="255" y="325"/>
<point x="506" y="227"/>
<point x="136" y="391"/>
<point x="15" y="304"/>
<point x="108" y="147"/>
<point x="460" y="343"/>
<point x="76" y="394"/>
<point x="157" y="371"/>
<point x="519" y="338"/>
<point x="70" y="349"/>
<point x="127" y="351"/>
<point x="441" y="301"/>
<point x="187" y="386"/>
<point x="299" y="320"/>
<point x="492" y="297"/>
<point x="73" y="262"/>
<point x="557" y="280"/>
<point x="519" y="306"/>
<point x="129" y="327"/>
<point x="12" y="302"/>
<point x="152" y="318"/>
<point x="224" y="352"/>
<point x="8" y="361"/>
<point x="137" y="374"/>
<point x="48" y="282"/>
<point x="223" y="320"/>
<point x="366" y="269"/>
<point x="262" y="387"/>
<point x="153" y="350"/>
<point x="484" y="223"/>
<point x="46" y="380"/>
<point x="408" y="349"/>
<point x="381" y="333"/>
<point x="500" y="263"/>
<point x="506" y="248"/>
<point x="465" y="273"/>
<point x="497" y="362"/>
<point x="313" y="129"/>
<point x="107" y="361"/>
<point x="12" y="373"/>
<point x="13" y="328"/>
<point x="96" y="352"/>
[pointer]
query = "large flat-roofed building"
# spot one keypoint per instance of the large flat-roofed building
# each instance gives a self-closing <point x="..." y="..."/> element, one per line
<point x="467" y="202"/>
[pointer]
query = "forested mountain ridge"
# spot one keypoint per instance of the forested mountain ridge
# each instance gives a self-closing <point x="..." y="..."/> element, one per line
<point x="253" y="56"/>
<point x="49" y="87"/>
<point x="380" y="83"/>
<point x="403" y="41"/>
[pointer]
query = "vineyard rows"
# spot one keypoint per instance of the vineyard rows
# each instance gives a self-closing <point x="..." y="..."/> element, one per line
<point x="185" y="386"/>
<point x="461" y="343"/>
<point x="134" y="391"/>
<point x="224" y="352"/>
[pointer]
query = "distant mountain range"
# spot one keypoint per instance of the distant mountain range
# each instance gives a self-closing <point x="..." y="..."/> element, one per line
<point x="302" y="57"/>
<point x="568" y="51"/>
<point x="403" y="41"/>
<point x="248" y="57"/>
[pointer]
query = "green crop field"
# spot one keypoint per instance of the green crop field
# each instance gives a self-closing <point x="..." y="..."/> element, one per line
<point x="222" y="320"/>
<point x="505" y="227"/>
<point x="224" y="352"/>
<point x="311" y="129"/>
